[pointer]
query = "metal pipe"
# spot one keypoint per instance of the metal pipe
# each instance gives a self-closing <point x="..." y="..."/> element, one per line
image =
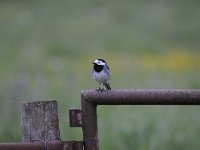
<point x="143" y="97"/>
<point x="90" y="129"/>
<point x="53" y="145"/>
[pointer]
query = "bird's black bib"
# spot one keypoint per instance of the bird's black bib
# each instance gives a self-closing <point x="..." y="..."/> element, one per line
<point x="98" y="68"/>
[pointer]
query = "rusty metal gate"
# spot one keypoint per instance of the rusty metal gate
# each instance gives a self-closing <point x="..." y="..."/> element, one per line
<point x="86" y="117"/>
<point x="91" y="99"/>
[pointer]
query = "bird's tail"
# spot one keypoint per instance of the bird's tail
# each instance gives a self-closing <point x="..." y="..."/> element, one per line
<point x="107" y="86"/>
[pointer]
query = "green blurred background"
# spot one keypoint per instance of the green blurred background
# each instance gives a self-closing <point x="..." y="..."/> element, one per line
<point x="46" y="50"/>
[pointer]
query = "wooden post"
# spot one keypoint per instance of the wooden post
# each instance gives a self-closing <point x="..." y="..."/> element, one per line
<point x="39" y="120"/>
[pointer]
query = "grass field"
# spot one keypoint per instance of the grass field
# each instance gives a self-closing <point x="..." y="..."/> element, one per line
<point x="46" y="51"/>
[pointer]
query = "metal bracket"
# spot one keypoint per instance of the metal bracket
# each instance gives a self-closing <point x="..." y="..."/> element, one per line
<point x="75" y="117"/>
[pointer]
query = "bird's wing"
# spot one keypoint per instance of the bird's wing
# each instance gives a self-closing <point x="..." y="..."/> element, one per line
<point x="108" y="67"/>
<point x="107" y="71"/>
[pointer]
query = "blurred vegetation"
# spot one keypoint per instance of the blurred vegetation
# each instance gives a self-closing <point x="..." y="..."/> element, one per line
<point x="46" y="52"/>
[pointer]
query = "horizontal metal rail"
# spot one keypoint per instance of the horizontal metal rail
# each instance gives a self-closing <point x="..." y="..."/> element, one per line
<point x="90" y="99"/>
<point x="143" y="97"/>
<point x="53" y="145"/>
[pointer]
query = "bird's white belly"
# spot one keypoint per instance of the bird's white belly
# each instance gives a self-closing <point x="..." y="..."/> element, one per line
<point x="101" y="77"/>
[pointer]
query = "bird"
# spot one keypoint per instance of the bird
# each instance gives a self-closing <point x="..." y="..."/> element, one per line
<point x="101" y="73"/>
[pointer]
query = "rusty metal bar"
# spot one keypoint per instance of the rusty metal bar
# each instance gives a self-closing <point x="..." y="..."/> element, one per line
<point x="75" y="118"/>
<point x="53" y="145"/>
<point x="143" y="97"/>
<point x="90" y="99"/>
<point x="90" y="129"/>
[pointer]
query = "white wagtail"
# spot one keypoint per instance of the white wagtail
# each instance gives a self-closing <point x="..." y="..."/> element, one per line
<point x="101" y="73"/>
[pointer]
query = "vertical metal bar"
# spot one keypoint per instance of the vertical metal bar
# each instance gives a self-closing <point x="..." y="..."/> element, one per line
<point x="90" y="129"/>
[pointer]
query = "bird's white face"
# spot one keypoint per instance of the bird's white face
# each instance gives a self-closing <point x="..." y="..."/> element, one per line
<point x="99" y="62"/>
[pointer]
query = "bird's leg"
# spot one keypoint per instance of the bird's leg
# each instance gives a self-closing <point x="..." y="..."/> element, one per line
<point x="100" y="89"/>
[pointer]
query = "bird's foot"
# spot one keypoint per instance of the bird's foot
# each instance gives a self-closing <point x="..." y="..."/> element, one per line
<point x="100" y="90"/>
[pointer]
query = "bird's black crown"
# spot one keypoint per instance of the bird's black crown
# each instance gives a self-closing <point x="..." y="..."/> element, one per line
<point x="101" y="60"/>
